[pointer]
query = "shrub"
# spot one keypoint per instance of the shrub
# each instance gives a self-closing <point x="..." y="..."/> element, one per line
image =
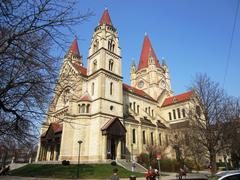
<point x="65" y="163"/>
<point x="169" y="165"/>
<point x="113" y="163"/>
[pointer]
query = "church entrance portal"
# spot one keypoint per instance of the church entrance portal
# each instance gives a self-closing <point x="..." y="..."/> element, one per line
<point x="114" y="132"/>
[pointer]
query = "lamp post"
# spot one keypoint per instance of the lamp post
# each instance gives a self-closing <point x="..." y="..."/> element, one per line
<point x="79" y="142"/>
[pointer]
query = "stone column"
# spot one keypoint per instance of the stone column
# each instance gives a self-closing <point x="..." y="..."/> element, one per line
<point x="55" y="152"/>
<point x="119" y="144"/>
<point x="104" y="147"/>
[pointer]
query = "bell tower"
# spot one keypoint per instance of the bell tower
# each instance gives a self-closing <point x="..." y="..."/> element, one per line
<point x="105" y="69"/>
<point x="150" y="76"/>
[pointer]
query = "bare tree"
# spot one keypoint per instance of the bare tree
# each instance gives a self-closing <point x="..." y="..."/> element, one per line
<point x="208" y="117"/>
<point x="28" y="69"/>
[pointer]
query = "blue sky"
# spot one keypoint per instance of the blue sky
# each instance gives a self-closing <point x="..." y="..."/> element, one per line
<point x="193" y="36"/>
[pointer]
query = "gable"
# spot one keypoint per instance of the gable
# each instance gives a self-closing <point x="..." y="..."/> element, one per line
<point x="114" y="127"/>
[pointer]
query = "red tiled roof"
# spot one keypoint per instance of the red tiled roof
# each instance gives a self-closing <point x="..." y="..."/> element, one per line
<point x="80" y="68"/>
<point x="105" y="18"/>
<point x="146" y="50"/>
<point x="137" y="92"/>
<point x="56" y="127"/>
<point x="178" y="98"/>
<point x="86" y="97"/>
<point x="74" y="48"/>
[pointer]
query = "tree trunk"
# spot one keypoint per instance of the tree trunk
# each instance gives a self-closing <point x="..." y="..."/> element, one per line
<point x="213" y="162"/>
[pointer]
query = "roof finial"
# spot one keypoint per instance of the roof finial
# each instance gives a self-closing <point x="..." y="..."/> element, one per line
<point x="145" y="34"/>
<point x="106" y="8"/>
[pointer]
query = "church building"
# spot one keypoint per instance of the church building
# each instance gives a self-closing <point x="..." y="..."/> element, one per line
<point x="94" y="114"/>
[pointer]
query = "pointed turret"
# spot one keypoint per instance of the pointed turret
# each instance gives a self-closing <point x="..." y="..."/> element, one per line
<point x="74" y="48"/>
<point x="74" y="53"/>
<point x="105" y="18"/>
<point x="147" y="52"/>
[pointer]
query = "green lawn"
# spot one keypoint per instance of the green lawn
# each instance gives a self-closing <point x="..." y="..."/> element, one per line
<point x="87" y="171"/>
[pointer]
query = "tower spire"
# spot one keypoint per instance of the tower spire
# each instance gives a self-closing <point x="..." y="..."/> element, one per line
<point x="105" y="18"/>
<point x="74" y="48"/>
<point x="146" y="51"/>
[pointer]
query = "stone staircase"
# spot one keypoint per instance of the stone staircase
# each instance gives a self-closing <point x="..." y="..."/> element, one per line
<point x="128" y="165"/>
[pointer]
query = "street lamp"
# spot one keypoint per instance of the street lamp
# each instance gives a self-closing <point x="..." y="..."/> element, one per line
<point x="79" y="142"/>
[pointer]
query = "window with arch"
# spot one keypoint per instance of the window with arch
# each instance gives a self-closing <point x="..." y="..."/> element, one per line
<point x="111" y="88"/>
<point x="174" y="114"/>
<point x="95" y="45"/>
<point x="133" y="136"/>
<point x="151" y="138"/>
<point x="92" y="89"/>
<point x="149" y="110"/>
<point x="138" y="109"/>
<point x="144" y="138"/>
<point x="111" y="45"/>
<point x="94" y="65"/>
<point x="160" y="139"/>
<point x="170" y="115"/>
<point x="183" y="113"/>
<point x="179" y="114"/>
<point x="110" y="67"/>
<point x="88" y="108"/>
<point x="134" y="106"/>
<point x="83" y="106"/>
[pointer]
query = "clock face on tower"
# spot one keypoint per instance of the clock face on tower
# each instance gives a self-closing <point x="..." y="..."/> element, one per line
<point x="140" y="84"/>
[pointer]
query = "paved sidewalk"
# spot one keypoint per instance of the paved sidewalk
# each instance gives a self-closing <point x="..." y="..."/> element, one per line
<point x="171" y="176"/>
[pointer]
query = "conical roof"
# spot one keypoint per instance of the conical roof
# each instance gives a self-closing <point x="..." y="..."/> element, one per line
<point x="147" y="51"/>
<point x="74" y="48"/>
<point x="105" y="18"/>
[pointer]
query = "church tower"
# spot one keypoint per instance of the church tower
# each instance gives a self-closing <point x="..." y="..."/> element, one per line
<point x="150" y="76"/>
<point x="105" y="69"/>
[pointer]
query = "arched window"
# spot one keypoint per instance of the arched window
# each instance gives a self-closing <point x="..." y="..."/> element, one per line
<point x="94" y="65"/>
<point x="183" y="113"/>
<point x="111" y="45"/>
<point x="92" y="89"/>
<point x="83" y="108"/>
<point x="88" y="108"/>
<point x="149" y="110"/>
<point x="174" y="114"/>
<point x="134" y="105"/>
<point x="110" y="65"/>
<point x="179" y="114"/>
<point x="79" y="108"/>
<point x="111" y="88"/>
<point x="160" y="139"/>
<point x="133" y="136"/>
<point x="170" y="115"/>
<point x="138" y="109"/>
<point x="151" y="138"/>
<point x="95" y="46"/>
<point x="144" y="138"/>
<point x="152" y="113"/>
<point x="198" y="110"/>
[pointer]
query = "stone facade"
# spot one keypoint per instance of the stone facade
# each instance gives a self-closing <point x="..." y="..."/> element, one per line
<point x="112" y="120"/>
